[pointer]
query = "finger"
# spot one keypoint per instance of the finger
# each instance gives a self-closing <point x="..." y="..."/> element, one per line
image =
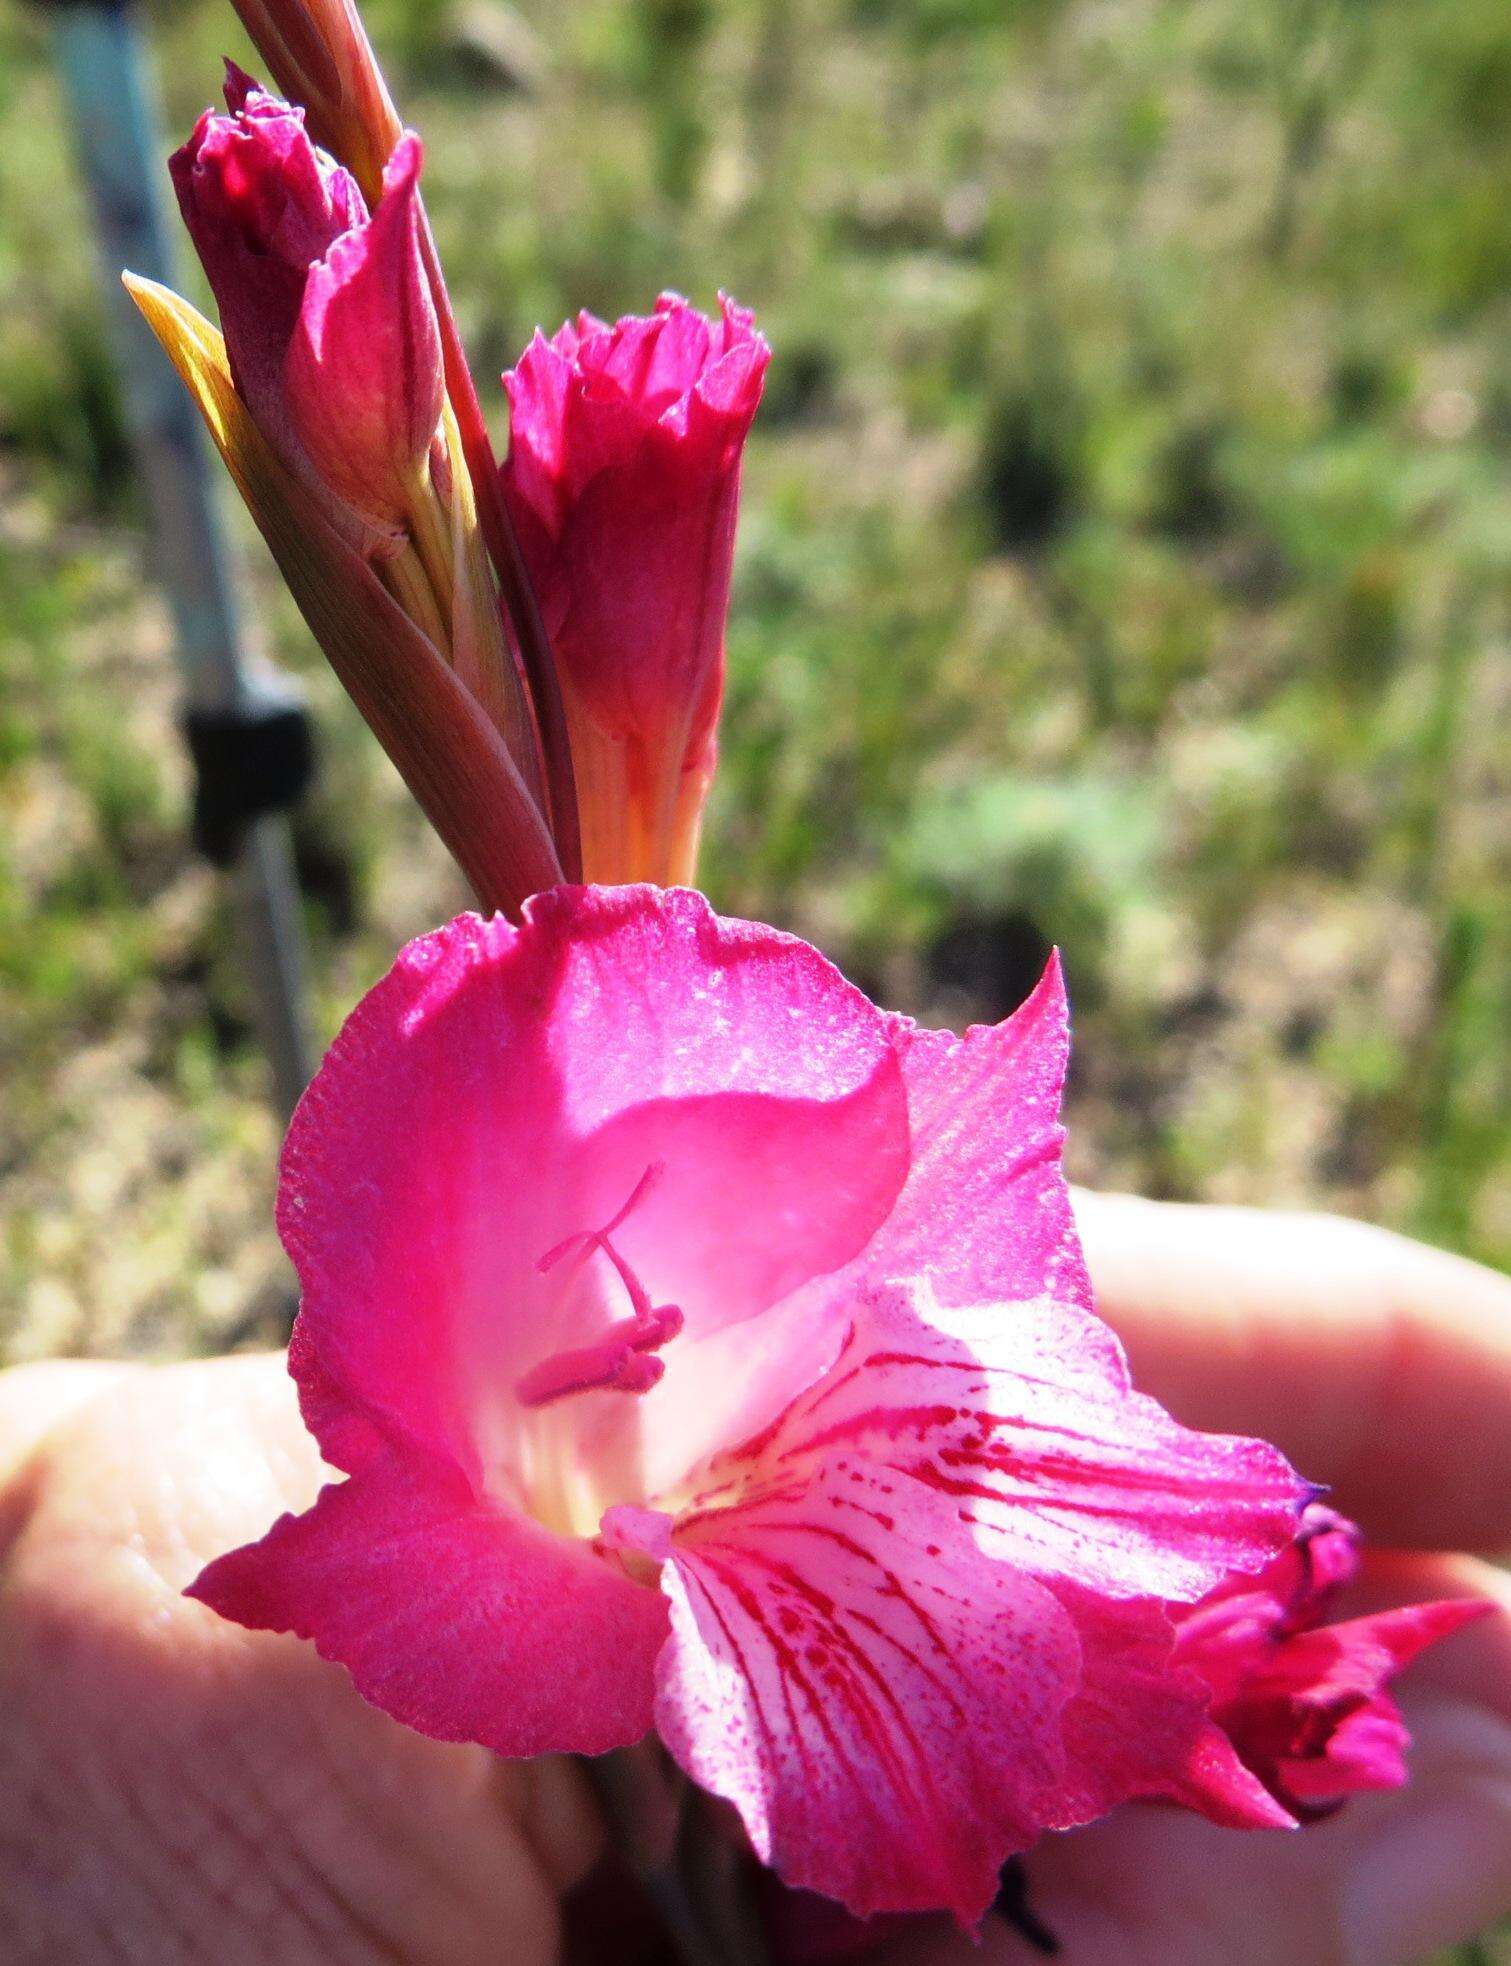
<point x="1437" y="1866"/>
<point x="1381" y="1367"/>
<point x="162" y="1772"/>
<point x="36" y="1398"/>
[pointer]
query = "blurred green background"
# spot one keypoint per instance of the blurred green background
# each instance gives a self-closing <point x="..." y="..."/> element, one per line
<point x="1125" y="562"/>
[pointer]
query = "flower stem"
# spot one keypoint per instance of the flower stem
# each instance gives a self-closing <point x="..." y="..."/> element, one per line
<point x="688" y="1868"/>
<point x="718" y="1872"/>
<point x="406" y="578"/>
<point x="503" y="550"/>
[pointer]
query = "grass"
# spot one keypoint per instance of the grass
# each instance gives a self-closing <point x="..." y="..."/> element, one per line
<point x="1125" y="564"/>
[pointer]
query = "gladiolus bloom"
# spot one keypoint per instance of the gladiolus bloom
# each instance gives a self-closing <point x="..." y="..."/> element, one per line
<point x="329" y="322"/>
<point x="1305" y="1704"/>
<point x="706" y="1349"/>
<point x="623" y="482"/>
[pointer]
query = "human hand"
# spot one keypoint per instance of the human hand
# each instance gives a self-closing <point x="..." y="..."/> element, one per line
<point x="176" y="1789"/>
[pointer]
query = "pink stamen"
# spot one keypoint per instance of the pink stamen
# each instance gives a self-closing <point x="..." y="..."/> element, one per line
<point x="615" y="1364"/>
<point x="618" y="1361"/>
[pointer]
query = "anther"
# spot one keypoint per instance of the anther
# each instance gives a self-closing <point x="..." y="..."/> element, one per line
<point x="615" y="1364"/>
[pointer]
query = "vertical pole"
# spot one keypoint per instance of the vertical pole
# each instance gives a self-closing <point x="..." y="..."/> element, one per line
<point x="121" y="156"/>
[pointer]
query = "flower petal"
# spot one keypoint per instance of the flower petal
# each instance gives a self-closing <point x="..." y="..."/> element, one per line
<point x="985" y="1214"/>
<point x="1138" y="1727"/>
<point x="654" y="360"/>
<point x="1020" y="1419"/>
<point x="450" y="755"/>
<point x="1232" y="1633"/>
<point x="537" y="388"/>
<point x="504" y="1089"/>
<point x="622" y="481"/>
<point x="262" y="205"/>
<point x="881" y="1709"/>
<point x="260" y="202"/>
<point x="1062" y="1467"/>
<point x="362" y="378"/>
<point x="1314" y="1719"/>
<point x="460" y="1619"/>
<point x="896" y="1642"/>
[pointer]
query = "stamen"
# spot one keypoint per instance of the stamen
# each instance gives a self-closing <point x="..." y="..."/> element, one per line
<point x="615" y="1364"/>
<point x="618" y="1361"/>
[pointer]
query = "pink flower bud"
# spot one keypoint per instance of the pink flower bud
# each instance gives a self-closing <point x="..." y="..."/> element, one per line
<point x="318" y="54"/>
<point x="623" y="483"/>
<point x="362" y="378"/>
<point x="328" y="320"/>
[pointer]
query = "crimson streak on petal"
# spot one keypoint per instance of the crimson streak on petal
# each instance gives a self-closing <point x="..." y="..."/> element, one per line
<point x="898" y="1689"/>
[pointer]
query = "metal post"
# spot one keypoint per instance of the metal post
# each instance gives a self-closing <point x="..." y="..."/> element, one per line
<point x="122" y="157"/>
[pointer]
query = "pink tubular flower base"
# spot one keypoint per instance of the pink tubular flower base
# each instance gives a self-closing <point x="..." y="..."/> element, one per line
<point x="623" y="483"/>
<point x="706" y="1349"/>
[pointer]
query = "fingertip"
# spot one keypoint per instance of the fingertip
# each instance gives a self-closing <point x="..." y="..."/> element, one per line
<point x="1381" y="1367"/>
<point x="35" y="1400"/>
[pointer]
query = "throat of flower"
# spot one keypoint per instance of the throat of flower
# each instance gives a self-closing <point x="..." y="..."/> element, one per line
<point x="623" y="1357"/>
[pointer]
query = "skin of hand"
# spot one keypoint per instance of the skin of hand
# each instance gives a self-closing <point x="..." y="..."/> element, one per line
<point x="174" y="1789"/>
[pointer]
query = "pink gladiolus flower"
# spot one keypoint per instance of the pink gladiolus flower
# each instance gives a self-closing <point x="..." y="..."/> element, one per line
<point x="623" y="482"/>
<point x="706" y="1349"/>
<point x="329" y="323"/>
<point x="1305" y="1704"/>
